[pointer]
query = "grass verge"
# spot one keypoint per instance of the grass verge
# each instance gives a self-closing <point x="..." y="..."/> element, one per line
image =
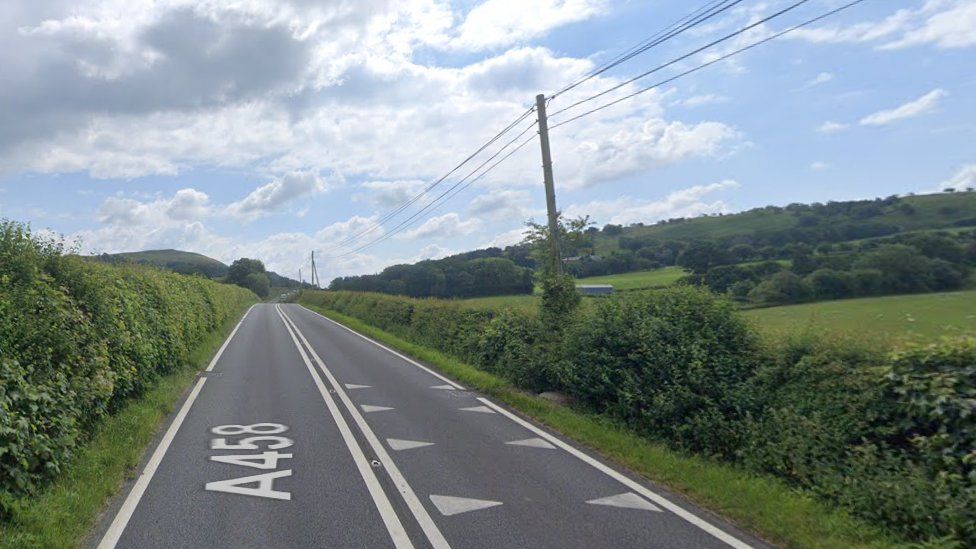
<point x="759" y="504"/>
<point x="64" y="513"/>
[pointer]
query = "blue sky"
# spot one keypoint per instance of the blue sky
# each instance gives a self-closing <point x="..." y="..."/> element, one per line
<point x="270" y="128"/>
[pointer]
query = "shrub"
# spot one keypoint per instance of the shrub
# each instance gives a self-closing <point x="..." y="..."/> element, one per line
<point x="77" y="338"/>
<point x="672" y="363"/>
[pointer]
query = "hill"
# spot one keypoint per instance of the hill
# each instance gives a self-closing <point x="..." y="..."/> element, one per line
<point x="173" y="260"/>
<point x="774" y="225"/>
<point x="187" y="263"/>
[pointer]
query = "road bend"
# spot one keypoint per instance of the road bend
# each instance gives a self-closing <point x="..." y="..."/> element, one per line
<point x="304" y="433"/>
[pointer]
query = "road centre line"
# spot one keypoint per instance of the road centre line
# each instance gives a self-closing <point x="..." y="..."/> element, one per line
<point x="383" y="505"/>
<point x="626" y="481"/>
<point x="114" y="532"/>
<point x="420" y="513"/>
<point x="380" y="345"/>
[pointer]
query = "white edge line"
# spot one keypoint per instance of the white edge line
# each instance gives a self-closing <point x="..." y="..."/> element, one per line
<point x="630" y="483"/>
<point x="383" y="505"/>
<point x="380" y="345"/>
<point x="213" y="361"/>
<point x="118" y="525"/>
<point x="427" y="524"/>
<point x="114" y="532"/>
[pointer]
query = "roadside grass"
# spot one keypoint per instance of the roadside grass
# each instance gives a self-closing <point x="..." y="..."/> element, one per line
<point x="887" y="318"/>
<point x="760" y="504"/>
<point x="639" y="280"/>
<point x="63" y="514"/>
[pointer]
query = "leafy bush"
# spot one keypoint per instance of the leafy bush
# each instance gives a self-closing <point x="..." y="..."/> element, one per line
<point x="77" y="338"/>
<point x="672" y="363"/>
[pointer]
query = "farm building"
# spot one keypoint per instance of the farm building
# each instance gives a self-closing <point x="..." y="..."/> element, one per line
<point x="595" y="289"/>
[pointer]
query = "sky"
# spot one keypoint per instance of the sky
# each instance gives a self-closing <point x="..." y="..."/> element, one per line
<point x="271" y="128"/>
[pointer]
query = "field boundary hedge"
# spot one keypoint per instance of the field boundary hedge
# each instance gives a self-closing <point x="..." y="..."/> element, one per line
<point x="886" y="434"/>
<point x="78" y="339"/>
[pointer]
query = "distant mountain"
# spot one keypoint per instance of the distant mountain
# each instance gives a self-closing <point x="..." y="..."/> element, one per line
<point x="186" y="263"/>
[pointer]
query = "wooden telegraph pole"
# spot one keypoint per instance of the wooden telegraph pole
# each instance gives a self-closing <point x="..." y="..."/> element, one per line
<point x="540" y="104"/>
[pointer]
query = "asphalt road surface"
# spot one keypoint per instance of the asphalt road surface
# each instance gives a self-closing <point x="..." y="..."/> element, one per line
<point x="302" y="433"/>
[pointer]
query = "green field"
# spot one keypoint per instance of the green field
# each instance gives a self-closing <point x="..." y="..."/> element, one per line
<point x="641" y="280"/>
<point x="900" y="317"/>
<point x="657" y="278"/>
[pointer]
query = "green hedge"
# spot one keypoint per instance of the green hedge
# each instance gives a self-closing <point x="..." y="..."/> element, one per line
<point x="888" y="434"/>
<point x="77" y="338"/>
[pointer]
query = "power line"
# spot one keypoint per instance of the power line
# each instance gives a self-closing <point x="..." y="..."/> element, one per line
<point x="438" y="200"/>
<point x="396" y="211"/>
<point x="725" y="38"/>
<point x="657" y="39"/>
<point x="712" y="62"/>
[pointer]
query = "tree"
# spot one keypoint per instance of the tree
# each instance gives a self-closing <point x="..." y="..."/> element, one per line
<point x="701" y="256"/>
<point x="903" y="268"/>
<point x="238" y="271"/>
<point x="782" y="287"/>
<point x="830" y="284"/>
<point x="257" y="283"/>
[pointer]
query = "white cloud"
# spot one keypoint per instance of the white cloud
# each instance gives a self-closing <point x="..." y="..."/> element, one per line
<point x="273" y="196"/>
<point x="820" y="166"/>
<point x="508" y="238"/>
<point x="496" y="23"/>
<point x="505" y="204"/>
<point x="922" y="105"/>
<point x="188" y="204"/>
<point x="390" y="194"/>
<point x="683" y="203"/>
<point x="832" y="127"/>
<point x="945" y="24"/>
<point x="821" y="78"/>
<point x="962" y="179"/>
<point x="700" y="100"/>
<point x="444" y="226"/>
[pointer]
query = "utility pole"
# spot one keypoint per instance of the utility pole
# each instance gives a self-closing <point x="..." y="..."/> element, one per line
<point x="540" y="104"/>
<point x="315" y="272"/>
<point x="300" y="280"/>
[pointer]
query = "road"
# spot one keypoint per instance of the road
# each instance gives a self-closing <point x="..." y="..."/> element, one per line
<point x="303" y="433"/>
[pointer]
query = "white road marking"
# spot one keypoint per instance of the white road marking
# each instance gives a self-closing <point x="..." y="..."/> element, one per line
<point x="115" y="530"/>
<point x="430" y="529"/>
<point x="450" y="505"/>
<point x="370" y="408"/>
<point x="216" y="357"/>
<point x="264" y="489"/>
<point x="380" y="345"/>
<point x="445" y="387"/>
<point x="479" y="409"/>
<point x="532" y="443"/>
<point x="351" y="386"/>
<point x="383" y="505"/>
<point x="398" y="444"/>
<point x="628" y="482"/>
<point x="627" y="500"/>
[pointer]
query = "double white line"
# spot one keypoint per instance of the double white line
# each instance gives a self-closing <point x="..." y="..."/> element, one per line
<point x="390" y="518"/>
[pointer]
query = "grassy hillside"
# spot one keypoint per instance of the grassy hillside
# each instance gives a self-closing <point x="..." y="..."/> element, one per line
<point x="175" y="260"/>
<point x="925" y="316"/>
<point x="932" y="211"/>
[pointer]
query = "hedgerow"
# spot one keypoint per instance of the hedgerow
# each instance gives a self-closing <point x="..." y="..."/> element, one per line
<point x="888" y="434"/>
<point x="78" y="338"/>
